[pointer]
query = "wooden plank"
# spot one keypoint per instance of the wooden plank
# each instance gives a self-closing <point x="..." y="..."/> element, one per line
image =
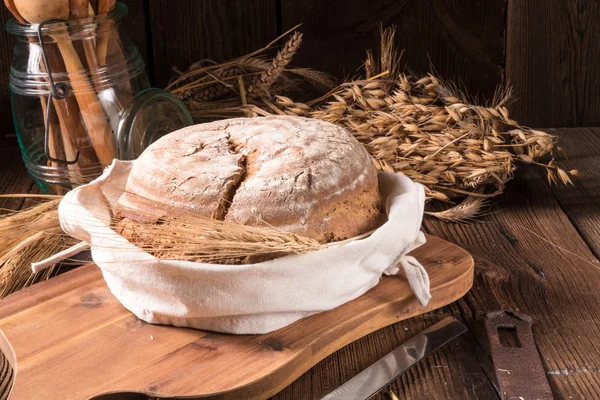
<point x="54" y="328"/>
<point x="552" y="58"/>
<point x="454" y="372"/>
<point x="14" y="178"/>
<point x="580" y="201"/>
<point x="138" y="29"/>
<point x="463" y="39"/>
<point x="7" y="44"/>
<point x="186" y="31"/>
<point x="553" y="278"/>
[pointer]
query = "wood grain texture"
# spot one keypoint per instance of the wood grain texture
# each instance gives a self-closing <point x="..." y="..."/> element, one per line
<point x="551" y="59"/>
<point x="453" y="372"/>
<point x="7" y="44"/>
<point x="55" y="328"/>
<point x="549" y="48"/>
<point x="515" y="270"/>
<point x="581" y="202"/>
<point x="187" y="31"/>
<point x="13" y="177"/>
<point x="462" y="39"/>
<point x="138" y="29"/>
<point x="530" y="258"/>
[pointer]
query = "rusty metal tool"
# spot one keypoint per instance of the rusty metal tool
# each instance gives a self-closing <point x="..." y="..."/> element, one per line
<point x="518" y="367"/>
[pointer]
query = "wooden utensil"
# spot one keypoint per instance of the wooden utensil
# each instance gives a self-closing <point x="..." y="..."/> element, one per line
<point x="109" y="44"/>
<point x="92" y="112"/>
<point x="13" y="10"/>
<point x="70" y="338"/>
<point x="36" y="11"/>
<point x="80" y="9"/>
<point x="55" y="148"/>
<point x="67" y="112"/>
<point x="104" y="6"/>
<point x="72" y="132"/>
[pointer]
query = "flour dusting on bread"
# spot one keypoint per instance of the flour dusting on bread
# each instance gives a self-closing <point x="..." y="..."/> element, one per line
<point x="296" y="174"/>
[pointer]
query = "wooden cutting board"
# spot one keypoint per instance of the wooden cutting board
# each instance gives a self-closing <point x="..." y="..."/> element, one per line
<point x="69" y="338"/>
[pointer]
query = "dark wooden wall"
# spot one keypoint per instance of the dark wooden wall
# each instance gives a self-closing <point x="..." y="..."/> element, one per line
<point x="549" y="50"/>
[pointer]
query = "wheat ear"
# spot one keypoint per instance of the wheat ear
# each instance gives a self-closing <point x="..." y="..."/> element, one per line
<point x="262" y="84"/>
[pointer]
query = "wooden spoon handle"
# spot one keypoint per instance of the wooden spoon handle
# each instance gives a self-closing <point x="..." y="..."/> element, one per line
<point x="104" y="6"/>
<point x="55" y="147"/>
<point x="73" y="136"/>
<point x="79" y="8"/>
<point x="91" y="110"/>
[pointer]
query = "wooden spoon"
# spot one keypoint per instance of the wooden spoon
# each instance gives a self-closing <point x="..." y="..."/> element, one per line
<point x="108" y="43"/>
<point x="104" y="6"/>
<point x="38" y="11"/>
<point x="54" y="147"/>
<point x="13" y="10"/>
<point x="80" y="9"/>
<point x="92" y="112"/>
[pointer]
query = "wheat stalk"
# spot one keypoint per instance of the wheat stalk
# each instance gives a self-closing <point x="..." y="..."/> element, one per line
<point x="15" y="270"/>
<point x="28" y="236"/>
<point x="199" y="71"/>
<point x="420" y="126"/>
<point x="203" y="239"/>
<point x="214" y="91"/>
<point x="470" y="208"/>
<point x="261" y="85"/>
<point x="34" y="234"/>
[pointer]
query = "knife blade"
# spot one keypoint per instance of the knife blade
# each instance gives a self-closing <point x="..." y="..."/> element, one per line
<point x="381" y="373"/>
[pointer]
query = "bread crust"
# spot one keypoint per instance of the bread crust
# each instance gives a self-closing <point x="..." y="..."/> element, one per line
<point x="295" y="174"/>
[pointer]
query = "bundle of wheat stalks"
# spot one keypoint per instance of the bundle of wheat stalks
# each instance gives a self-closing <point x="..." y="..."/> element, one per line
<point x="422" y="126"/>
<point x="28" y="236"/>
<point x="203" y="239"/>
<point x="33" y="237"/>
<point x="244" y="86"/>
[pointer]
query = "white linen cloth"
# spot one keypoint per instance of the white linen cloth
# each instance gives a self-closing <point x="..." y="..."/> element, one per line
<point x="246" y="299"/>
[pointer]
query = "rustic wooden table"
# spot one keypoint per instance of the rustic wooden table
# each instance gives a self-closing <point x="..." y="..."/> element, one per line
<point x="536" y="253"/>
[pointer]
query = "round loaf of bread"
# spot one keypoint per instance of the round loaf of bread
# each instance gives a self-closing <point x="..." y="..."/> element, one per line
<point x="294" y="174"/>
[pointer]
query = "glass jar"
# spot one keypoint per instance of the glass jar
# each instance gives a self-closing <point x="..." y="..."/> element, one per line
<point x="73" y="84"/>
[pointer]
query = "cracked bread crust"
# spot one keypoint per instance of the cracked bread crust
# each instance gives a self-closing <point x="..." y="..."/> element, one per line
<point x="295" y="174"/>
<point x="189" y="170"/>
